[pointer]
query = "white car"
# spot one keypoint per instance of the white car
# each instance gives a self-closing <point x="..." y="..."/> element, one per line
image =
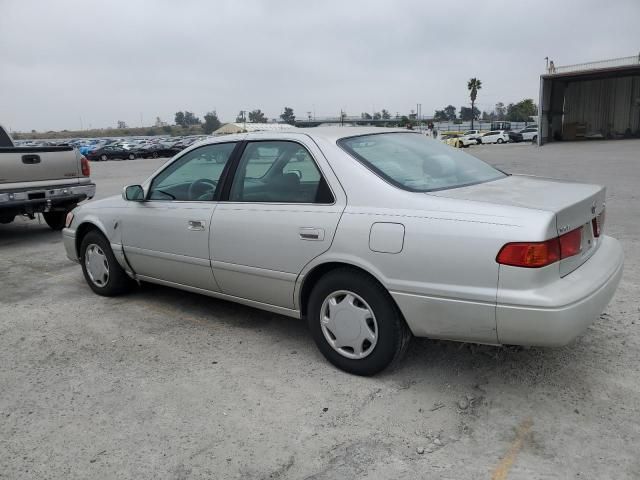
<point x="495" y="136"/>
<point x="371" y="235"/>
<point x="473" y="135"/>
<point x="530" y="134"/>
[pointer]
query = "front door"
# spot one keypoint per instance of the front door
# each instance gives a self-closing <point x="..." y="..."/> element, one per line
<point x="281" y="213"/>
<point x="166" y="237"/>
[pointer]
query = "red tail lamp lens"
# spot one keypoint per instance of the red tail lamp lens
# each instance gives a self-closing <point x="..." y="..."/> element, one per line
<point x="571" y="243"/>
<point x="541" y="254"/>
<point x="85" y="167"/>
<point x="530" y="254"/>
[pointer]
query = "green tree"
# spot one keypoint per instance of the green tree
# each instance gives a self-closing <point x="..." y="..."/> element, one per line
<point x="466" y="114"/>
<point x="500" y="111"/>
<point x="191" y="119"/>
<point x="473" y="85"/>
<point x="450" y="112"/>
<point x="241" y="118"/>
<point x="522" y="111"/>
<point x="122" y="124"/>
<point x="365" y="116"/>
<point x="257" y="116"/>
<point x="180" y="119"/>
<point x="377" y="116"/>
<point x="288" y="116"/>
<point x="385" y="114"/>
<point x="211" y="122"/>
<point x="440" y="116"/>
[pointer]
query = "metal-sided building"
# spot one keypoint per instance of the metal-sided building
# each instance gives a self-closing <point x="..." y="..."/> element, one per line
<point x="590" y="100"/>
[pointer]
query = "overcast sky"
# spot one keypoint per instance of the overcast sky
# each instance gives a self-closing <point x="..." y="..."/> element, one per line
<point x="64" y="62"/>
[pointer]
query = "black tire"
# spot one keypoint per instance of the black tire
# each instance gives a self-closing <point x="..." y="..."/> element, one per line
<point x="500" y="141"/>
<point x="118" y="281"/>
<point x="132" y="156"/>
<point x="479" y="141"/>
<point x="104" y="158"/>
<point x="534" y="139"/>
<point x="55" y="220"/>
<point x="393" y="333"/>
<point x="155" y="155"/>
<point x="6" y="219"/>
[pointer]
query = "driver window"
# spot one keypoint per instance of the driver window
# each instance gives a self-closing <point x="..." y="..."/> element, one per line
<point x="193" y="177"/>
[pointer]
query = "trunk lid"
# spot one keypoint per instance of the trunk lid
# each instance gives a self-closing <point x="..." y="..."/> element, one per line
<point x="575" y="205"/>
<point x="23" y="164"/>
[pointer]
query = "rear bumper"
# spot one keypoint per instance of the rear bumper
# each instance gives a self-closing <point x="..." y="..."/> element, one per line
<point x="566" y="307"/>
<point x="45" y="199"/>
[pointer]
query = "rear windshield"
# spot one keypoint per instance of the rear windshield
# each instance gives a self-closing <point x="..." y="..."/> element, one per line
<point x="413" y="162"/>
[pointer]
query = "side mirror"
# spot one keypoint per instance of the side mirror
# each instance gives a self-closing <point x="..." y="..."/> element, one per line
<point x="133" y="193"/>
<point x="298" y="173"/>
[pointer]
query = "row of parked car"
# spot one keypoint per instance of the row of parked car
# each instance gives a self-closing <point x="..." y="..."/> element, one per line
<point x="476" y="137"/>
<point x="102" y="149"/>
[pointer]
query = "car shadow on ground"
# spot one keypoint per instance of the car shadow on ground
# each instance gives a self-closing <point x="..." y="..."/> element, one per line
<point x="27" y="233"/>
<point x="513" y="363"/>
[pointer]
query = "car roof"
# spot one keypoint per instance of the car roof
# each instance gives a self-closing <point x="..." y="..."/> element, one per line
<point x="331" y="134"/>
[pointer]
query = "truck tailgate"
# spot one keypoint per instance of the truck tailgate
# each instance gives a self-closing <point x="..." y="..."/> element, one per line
<point x="20" y="164"/>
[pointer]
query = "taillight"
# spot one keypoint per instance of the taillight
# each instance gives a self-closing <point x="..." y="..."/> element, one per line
<point x="541" y="254"/>
<point x="85" y="167"/>
<point x="598" y="224"/>
<point x="530" y="254"/>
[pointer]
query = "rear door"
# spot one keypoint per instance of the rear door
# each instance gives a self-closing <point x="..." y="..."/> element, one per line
<point x="281" y="213"/>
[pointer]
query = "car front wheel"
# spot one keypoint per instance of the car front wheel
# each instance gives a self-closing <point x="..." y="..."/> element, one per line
<point x="101" y="270"/>
<point x="355" y="323"/>
<point x="500" y="140"/>
<point x="104" y="158"/>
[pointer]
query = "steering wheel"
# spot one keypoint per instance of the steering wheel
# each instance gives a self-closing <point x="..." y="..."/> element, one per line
<point x="202" y="189"/>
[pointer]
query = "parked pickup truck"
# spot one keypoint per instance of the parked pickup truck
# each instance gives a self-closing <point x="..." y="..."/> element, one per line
<point x="50" y="180"/>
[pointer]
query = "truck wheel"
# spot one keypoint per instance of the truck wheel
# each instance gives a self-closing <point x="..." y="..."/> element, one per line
<point x="7" y="219"/>
<point x="55" y="220"/>
<point x="355" y="323"/>
<point x="101" y="270"/>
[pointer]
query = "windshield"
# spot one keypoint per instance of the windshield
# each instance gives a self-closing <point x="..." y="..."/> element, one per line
<point x="413" y="162"/>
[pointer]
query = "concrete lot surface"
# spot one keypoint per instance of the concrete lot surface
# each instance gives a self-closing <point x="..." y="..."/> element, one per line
<point x="165" y="384"/>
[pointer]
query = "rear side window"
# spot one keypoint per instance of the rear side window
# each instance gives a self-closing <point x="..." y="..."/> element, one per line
<point x="279" y="172"/>
<point x="413" y="162"/>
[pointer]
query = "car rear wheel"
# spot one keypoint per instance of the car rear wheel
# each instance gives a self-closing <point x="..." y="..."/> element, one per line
<point x="155" y="155"/>
<point x="132" y="156"/>
<point x="355" y="323"/>
<point x="101" y="270"/>
<point x="104" y="158"/>
<point x="535" y="139"/>
<point x="500" y="140"/>
<point x="55" y="220"/>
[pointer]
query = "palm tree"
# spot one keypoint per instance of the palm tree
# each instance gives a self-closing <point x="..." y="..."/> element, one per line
<point x="473" y="85"/>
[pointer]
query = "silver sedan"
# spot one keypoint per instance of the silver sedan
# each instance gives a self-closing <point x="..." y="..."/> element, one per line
<point x="371" y="235"/>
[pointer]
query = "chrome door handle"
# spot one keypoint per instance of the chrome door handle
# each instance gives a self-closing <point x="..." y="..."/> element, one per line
<point x="195" y="225"/>
<point x="310" y="233"/>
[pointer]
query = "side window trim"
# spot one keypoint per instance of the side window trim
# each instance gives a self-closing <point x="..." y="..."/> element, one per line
<point x="220" y="185"/>
<point x="234" y="163"/>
